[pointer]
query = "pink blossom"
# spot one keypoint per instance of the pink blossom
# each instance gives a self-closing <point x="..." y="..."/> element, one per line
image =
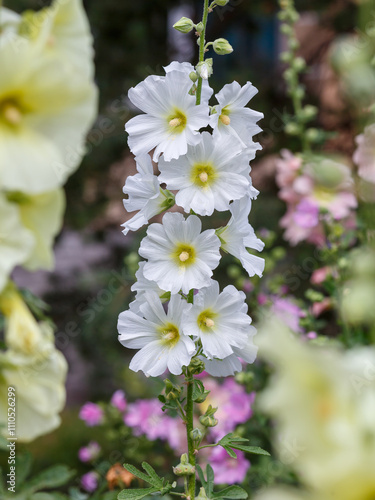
<point x="91" y="414"/>
<point x="311" y="335"/>
<point x="262" y="299"/>
<point x="118" y="400"/>
<point x="306" y="214"/>
<point x="288" y="312"/>
<point x="89" y="452"/>
<point x="320" y="275"/>
<point x="89" y="481"/>
<point x="295" y="233"/>
<point x="364" y="155"/>
<point x="319" y="308"/>
<point x="247" y="286"/>
<point x="227" y="470"/>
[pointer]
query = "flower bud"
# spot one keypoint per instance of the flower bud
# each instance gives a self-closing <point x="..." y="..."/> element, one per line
<point x="184" y="25"/>
<point x="208" y="419"/>
<point x="184" y="468"/>
<point x="222" y="47"/>
<point x="204" y="69"/>
<point x="299" y="64"/>
<point x="199" y="28"/>
<point x="313" y="135"/>
<point x="221" y="3"/>
<point x="202" y="397"/>
<point x="202" y="494"/>
<point x="193" y="76"/>
<point x="196" y="366"/>
<point x="196" y="434"/>
<point x="292" y="129"/>
<point x="172" y="391"/>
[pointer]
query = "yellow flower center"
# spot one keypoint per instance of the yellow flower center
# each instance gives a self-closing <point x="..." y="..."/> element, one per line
<point x="206" y="320"/>
<point x="225" y="120"/>
<point x="169" y="334"/>
<point x="184" y="255"/>
<point x="203" y="175"/>
<point x="176" y="121"/>
<point x="11" y="112"/>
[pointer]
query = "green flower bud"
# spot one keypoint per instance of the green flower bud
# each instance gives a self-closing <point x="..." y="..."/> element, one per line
<point x="184" y="25"/>
<point x="172" y="391"/>
<point x="202" y="495"/>
<point x="208" y="419"/>
<point x="294" y="44"/>
<point x="184" y="468"/>
<point x="286" y="29"/>
<point x="196" y="366"/>
<point x="309" y="112"/>
<point x="193" y="76"/>
<point x="299" y="64"/>
<point x="313" y="135"/>
<point x="292" y="129"/>
<point x="202" y="398"/>
<point x="199" y="27"/>
<point x="222" y="47"/>
<point x="221" y="3"/>
<point x="286" y="57"/>
<point x="196" y="434"/>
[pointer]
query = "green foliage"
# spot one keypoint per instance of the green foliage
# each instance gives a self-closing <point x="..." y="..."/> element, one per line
<point x="158" y="484"/>
<point x="232" y="492"/>
<point x="230" y="442"/>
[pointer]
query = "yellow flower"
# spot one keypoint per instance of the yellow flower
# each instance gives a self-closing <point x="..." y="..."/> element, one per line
<point x="43" y="215"/>
<point x="47" y="105"/>
<point x="16" y="242"/>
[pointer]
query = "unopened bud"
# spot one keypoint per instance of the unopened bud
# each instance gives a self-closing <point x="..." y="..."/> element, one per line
<point x="202" y="495"/>
<point x="196" y="434"/>
<point x="184" y="468"/>
<point x="184" y="25"/>
<point x="196" y="366"/>
<point x="172" y="391"/>
<point x="222" y="47"/>
<point x="204" y="69"/>
<point x="193" y="76"/>
<point x="202" y="397"/>
<point x="199" y="27"/>
<point x="221" y="3"/>
<point x="292" y="129"/>
<point x="299" y="64"/>
<point x="208" y="421"/>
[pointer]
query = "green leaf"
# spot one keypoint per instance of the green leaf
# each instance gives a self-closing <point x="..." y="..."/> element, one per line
<point x="53" y="477"/>
<point x="232" y="492"/>
<point x="136" y="472"/>
<point x="3" y="443"/>
<point x="23" y="466"/>
<point x="156" y="480"/>
<point x="230" y="452"/>
<point x="250" y="449"/>
<point x="136" y="494"/>
<point x="201" y="477"/>
<point x="55" y="495"/>
<point x="230" y="438"/>
<point x="210" y="479"/>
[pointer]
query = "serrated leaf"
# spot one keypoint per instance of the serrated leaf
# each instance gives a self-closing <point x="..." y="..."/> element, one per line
<point x="136" y="494"/>
<point x="109" y="495"/>
<point x="210" y="479"/>
<point x="53" y="477"/>
<point x="137" y="473"/>
<point x="229" y="438"/>
<point x="250" y="449"/>
<point x="232" y="492"/>
<point x="201" y="477"/>
<point x="157" y="481"/>
<point x="230" y="452"/>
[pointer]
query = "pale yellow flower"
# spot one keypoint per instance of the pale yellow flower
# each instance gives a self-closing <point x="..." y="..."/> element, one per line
<point x="16" y="242"/>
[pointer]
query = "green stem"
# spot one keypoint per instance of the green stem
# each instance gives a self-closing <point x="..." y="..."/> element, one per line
<point x="189" y="428"/>
<point x="208" y="446"/>
<point x="202" y="39"/>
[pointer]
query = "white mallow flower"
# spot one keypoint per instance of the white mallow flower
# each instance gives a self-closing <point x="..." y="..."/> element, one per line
<point x="232" y="364"/>
<point x="143" y="285"/>
<point x="211" y="175"/>
<point x="233" y="118"/>
<point x="219" y="320"/>
<point x="171" y="120"/>
<point x="188" y="68"/>
<point x="239" y="235"/>
<point x="180" y="256"/>
<point x="144" y="194"/>
<point x="158" y="334"/>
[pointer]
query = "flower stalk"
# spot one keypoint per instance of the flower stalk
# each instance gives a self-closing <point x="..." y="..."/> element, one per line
<point x="202" y="48"/>
<point x="189" y="380"/>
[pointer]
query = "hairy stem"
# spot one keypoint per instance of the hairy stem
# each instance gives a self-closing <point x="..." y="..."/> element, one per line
<point x="202" y="39"/>
<point x="189" y="428"/>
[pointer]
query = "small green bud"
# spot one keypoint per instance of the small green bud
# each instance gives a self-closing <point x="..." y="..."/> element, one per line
<point x="202" y="398"/>
<point x="286" y="29"/>
<point x="222" y="47"/>
<point x="309" y="112"/>
<point x="184" y="25"/>
<point x="184" y="468"/>
<point x="289" y="75"/>
<point x="221" y="3"/>
<point x="196" y="434"/>
<point x="313" y="135"/>
<point x="299" y="92"/>
<point x="199" y="27"/>
<point x="204" y="69"/>
<point x="208" y="419"/>
<point x="196" y="366"/>
<point x="202" y="495"/>
<point x="172" y="391"/>
<point x="294" y="44"/>
<point x="299" y="64"/>
<point x="292" y="129"/>
<point x="193" y="76"/>
<point x="286" y="57"/>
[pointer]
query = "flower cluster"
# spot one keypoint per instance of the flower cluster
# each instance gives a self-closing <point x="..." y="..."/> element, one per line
<point x="316" y="190"/>
<point x="48" y="102"/>
<point x="200" y="172"/>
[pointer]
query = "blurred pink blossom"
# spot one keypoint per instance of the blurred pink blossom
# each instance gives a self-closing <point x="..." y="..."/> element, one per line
<point x="319" y="308"/>
<point x="364" y="155"/>
<point x="91" y="414"/>
<point x="288" y="312"/>
<point x="118" y="400"/>
<point x="89" y="481"/>
<point x="227" y="470"/>
<point x="89" y="452"/>
<point x="320" y="275"/>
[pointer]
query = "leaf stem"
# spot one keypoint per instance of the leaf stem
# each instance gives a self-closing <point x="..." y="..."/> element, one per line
<point x="202" y="39"/>
<point x="208" y="446"/>
<point x="189" y="427"/>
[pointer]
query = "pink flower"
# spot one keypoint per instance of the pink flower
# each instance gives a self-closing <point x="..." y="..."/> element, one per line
<point x="89" y="481"/>
<point x="91" y="414"/>
<point x="118" y="400"/>
<point x="288" y="312"/>
<point x="262" y="299"/>
<point x="320" y="275"/>
<point x="227" y="470"/>
<point x="89" y="452"/>
<point x="364" y="155"/>
<point x="319" y="308"/>
<point x="311" y="335"/>
<point x="306" y="214"/>
<point x="295" y="233"/>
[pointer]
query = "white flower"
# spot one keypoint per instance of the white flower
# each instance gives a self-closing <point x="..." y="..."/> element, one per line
<point x="162" y="343"/>
<point x="180" y="256"/>
<point x="144" y="194"/>
<point x="219" y="320"/>
<point x="232" y="364"/>
<point x="211" y="174"/>
<point x="232" y="118"/>
<point x="172" y="119"/>
<point x="238" y="235"/>
<point x="16" y="242"/>
<point x="188" y="68"/>
<point x="143" y="285"/>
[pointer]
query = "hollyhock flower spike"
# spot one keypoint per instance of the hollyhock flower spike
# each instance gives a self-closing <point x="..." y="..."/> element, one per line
<point x="171" y="121"/>
<point x="209" y="176"/>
